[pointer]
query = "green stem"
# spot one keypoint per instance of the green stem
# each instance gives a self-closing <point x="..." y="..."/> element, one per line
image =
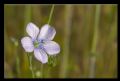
<point x="17" y="65"/>
<point x="51" y="13"/>
<point x="41" y="68"/>
<point x="113" y="25"/>
<point x="94" y="43"/>
<point x="17" y="56"/>
<point x="28" y="15"/>
<point x="49" y="19"/>
<point x="67" y="32"/>
<point x="30" y="65"/>
<point x="49" y="69"/>
<point x="95" y="33"/>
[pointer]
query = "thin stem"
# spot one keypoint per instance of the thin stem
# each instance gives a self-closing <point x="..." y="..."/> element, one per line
<point x="30" y="65"/>
<point x="41" y="68"/>
<point x="114" y="25"/>
<point x="95" y="34"/>
<point x="17" y="56"/>
<point x="94" y="43"/>
<point x="51" y="13"/>
<point x="17" y="65"/>
<point x="49" y="19"/>
<point x="67" y="32"/>
<point x="28" y="15"/>
<point x="49" y="69"/>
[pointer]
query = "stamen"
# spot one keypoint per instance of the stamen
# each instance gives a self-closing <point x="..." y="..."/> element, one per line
<point x="36" y="44"/>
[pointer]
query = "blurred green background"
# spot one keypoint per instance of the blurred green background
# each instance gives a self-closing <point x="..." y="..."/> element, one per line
<point x="80" y="29"/>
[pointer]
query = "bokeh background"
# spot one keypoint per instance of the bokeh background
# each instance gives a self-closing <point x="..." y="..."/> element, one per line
<point x="80" y="29"/>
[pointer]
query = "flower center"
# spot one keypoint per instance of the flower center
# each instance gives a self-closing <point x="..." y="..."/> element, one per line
<point x="36" y="44"/>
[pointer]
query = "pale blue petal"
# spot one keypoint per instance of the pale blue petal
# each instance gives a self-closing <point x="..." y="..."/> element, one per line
<point x="40" y="55"/>
<point x="27" y="44"/>
<point x="32" y="30"/>
<point x="47" y="32"/>
<point x="51" y="47"/>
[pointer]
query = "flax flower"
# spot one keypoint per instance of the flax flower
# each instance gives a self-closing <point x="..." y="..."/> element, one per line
<point x="40" y="41"/>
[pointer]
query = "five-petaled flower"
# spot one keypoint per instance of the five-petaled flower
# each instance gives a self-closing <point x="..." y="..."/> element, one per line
<point x="40" y="41"/>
